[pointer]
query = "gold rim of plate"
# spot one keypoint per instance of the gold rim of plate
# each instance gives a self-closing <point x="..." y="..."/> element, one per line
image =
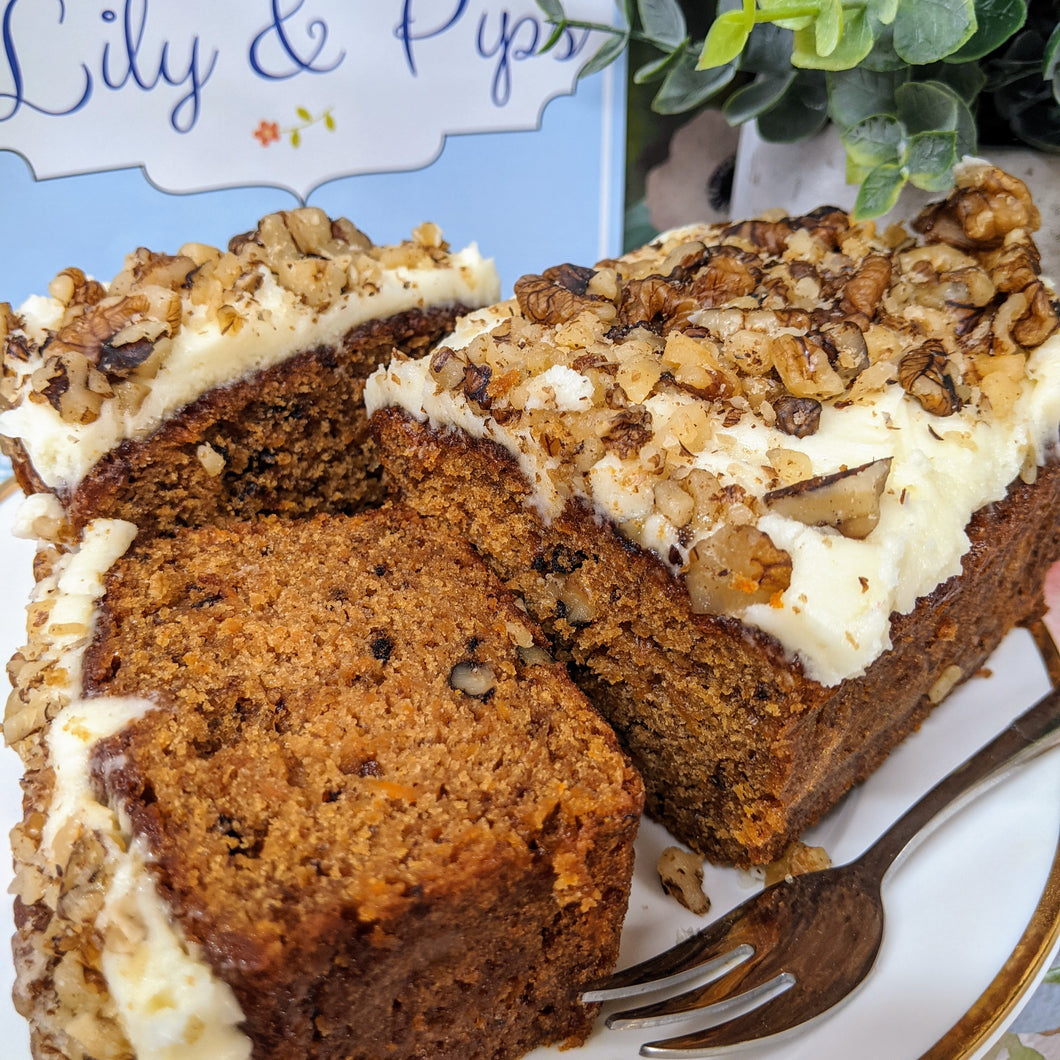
<point x="994" y="1006"/>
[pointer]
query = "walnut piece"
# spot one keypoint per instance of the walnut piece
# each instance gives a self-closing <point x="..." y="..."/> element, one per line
<point x="734" y="567"/>
<point x="473" y="679"/>
<point x="797" y="860"/>
<point x="848" y="500"/>
<point x="681" y="875"/>
<point x="924" y="373"/>
<point x="982" y="209"/>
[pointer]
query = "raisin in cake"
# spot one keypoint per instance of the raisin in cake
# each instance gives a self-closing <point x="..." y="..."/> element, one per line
<point x="211" y="383"/>
<point x="306" y="788"/>
<point x="774" y="488"/>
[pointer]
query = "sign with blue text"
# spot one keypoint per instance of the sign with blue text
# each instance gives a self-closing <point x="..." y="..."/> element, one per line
<point x="158" y="122"/>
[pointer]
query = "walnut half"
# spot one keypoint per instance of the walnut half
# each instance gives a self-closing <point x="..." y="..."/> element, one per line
<point x="848" y="500"/>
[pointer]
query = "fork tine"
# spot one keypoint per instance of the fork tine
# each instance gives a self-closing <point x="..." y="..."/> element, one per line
<point x="655" y="974"/>
<point x="708" y="1013"/>
<point x="707" y="954"/>
<point x="784" y="1015"/>
<point x="753" y="981"/>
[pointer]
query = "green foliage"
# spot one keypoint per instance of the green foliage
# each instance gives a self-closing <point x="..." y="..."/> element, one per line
<point x="906" y="81"/>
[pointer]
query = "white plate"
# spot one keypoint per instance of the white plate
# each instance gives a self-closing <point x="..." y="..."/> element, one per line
<point x="956" y="908"/>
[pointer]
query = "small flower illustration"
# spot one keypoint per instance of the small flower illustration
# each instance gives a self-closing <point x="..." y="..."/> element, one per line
<point x="267" y="132"/>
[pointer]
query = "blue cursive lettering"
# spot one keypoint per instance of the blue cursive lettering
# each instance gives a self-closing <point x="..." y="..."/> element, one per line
<point x="405" y="33"/>
<point x="298" y="62"/>
<point x="117" y="68"/>
<point x="506" y="49"/>
<point x="16" y="98"/>
<point x="513" y="39"/>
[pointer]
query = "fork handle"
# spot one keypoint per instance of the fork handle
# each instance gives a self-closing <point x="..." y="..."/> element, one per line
<point x="1031" y="734"/>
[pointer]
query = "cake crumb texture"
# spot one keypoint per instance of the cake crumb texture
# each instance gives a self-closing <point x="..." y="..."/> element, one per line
<point x="740" y="751"/>
<point x="388" y="819"/>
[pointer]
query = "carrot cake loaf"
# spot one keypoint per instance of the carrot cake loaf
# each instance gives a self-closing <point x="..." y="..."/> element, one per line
<point x="302" y="789"/>
<point x="210" y="383"/>
<point x="773" y="487"/>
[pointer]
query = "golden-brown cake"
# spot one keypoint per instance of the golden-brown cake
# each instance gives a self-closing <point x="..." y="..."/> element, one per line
<point x="208" y="383"/>
<point x="774" y="488"/>
<point x="306" y="788"/>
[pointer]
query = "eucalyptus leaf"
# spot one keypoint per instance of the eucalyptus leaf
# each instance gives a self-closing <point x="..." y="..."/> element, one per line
<point x="875" y="140"/>
<point x="858" y="93"/>
<point x="663" y="21"/>
<point x="879" y="191"/>
<point x="608" y="52"/>
<point x="768" y="50"/>
<point x="657" y="67"/>
<point x="725" y="39"/>
<point x="925" y="106"/>
<point x="926" y="31"/>
<point x="801" y="112"/>
<point x="883" y="11"/>
<point x="855" y="173"/>
<point x="828" y="27"/>
<point x="966" y="79"/>
<point x="686" y="86"/>
<point x="854" y="45"/>
<point x="930" y="158"/>
<point x="553" y="38"/>
<point x="1051" y="62"/>
<point x="751" y="100"/>
<point x="883" y="57"/>
<point x="996" y="21"/>
<point x="552" y="9"/>
<point x="1039" y="127"/>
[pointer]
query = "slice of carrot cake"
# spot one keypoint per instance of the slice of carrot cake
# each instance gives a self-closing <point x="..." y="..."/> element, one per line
<point x="773" y="487"/>
<point x="306" y="788"/>
<point x="214" y="383"/>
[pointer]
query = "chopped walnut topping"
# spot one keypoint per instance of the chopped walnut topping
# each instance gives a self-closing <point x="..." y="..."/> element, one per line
<point x="981" y="210"/>
<point x="799" y="417"/>
<point x="111" y="340"/>
<point x="627" y="376"/>
<point x="734" y="567"/>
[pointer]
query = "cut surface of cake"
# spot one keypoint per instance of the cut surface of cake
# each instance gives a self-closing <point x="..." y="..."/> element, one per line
<point x="223" y="383"/>
<point x="306" y="788"/>
<point x="773" y="487"/>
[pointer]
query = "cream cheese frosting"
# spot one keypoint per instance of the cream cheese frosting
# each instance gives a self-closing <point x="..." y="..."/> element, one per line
<point x="169" y="1003"/>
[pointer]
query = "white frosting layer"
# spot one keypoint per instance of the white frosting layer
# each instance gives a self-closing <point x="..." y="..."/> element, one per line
<point x="171" y="1005"/>
<point x="277" y="325"/>
<point x="835" y="615"/>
